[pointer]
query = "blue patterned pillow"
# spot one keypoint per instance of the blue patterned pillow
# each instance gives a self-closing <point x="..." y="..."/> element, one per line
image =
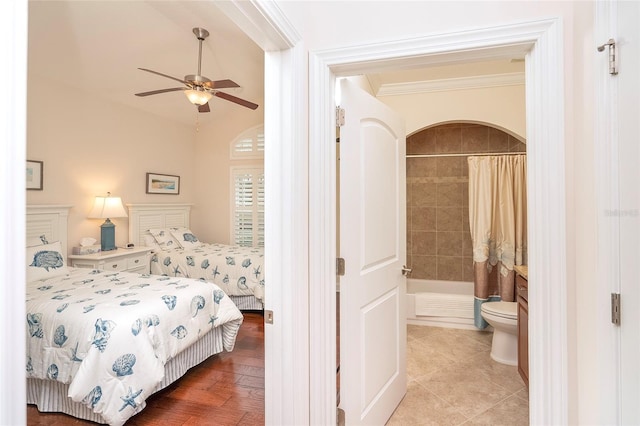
<point x="45" y="261"/>
<point x="185" y="238"/>
<point x="164" y="238"/>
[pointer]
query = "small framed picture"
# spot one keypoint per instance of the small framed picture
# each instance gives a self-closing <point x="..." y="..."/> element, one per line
<point x="34" y="174"/>
<point x="163" y="184"/>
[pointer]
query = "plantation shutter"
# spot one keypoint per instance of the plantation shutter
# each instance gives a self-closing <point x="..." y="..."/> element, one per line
<point x="259" y="235"/>
<point x="248" y="212"/>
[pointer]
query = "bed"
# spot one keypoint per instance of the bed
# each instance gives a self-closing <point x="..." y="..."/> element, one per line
<point x="177" y="252"/>
<point x="100" y="342"/>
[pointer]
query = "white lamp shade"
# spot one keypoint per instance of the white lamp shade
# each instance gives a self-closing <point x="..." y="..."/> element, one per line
<point x="107" y="207"/>
<point x="198" y="97"/>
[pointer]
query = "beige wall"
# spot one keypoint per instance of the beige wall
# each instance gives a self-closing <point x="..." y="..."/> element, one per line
<point x="503" y="107"/>
<point x="210" y="217"/>
<point x="91" y="147"/>
<point x="438" y="235"/>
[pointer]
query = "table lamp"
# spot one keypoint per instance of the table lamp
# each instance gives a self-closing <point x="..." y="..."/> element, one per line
<point x="106" y="208"/>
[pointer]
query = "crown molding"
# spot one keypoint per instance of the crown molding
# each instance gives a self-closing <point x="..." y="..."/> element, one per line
<point x="447" y="84"/>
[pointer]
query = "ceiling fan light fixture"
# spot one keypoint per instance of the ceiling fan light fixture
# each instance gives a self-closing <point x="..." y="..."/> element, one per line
<point x="198" y="88"/>
<point x="198" y="97"/>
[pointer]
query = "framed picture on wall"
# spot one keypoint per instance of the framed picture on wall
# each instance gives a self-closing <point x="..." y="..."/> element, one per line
<point x="34" y="174"/>
<point x="163" y="184"/>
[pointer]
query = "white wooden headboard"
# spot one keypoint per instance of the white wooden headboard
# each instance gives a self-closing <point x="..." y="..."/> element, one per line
<point x="143" y="217"/>
<point x="50" y="221"/>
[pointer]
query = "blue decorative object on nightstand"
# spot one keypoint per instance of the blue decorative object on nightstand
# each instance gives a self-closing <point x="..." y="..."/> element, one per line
<point x="106" y="208"/>
<point x="107" y="236"/>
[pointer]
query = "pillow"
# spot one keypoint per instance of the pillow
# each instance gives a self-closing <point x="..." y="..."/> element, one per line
<point x="150" y="241"/>
<point x="45" y="261"/>
<point x="37" y="241"/>
<point x="185" y="238"/>
<point x="164" y="238"/>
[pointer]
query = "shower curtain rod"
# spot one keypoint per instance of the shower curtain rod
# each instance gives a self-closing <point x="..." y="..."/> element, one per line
<point x="463" y="155"/>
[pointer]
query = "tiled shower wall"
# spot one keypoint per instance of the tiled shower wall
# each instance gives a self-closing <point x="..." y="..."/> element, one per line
<point x="438" y="236"/>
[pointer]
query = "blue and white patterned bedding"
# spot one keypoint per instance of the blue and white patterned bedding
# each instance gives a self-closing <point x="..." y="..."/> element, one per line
<point x="108" y="335"/>
<point x="239" y="271"/>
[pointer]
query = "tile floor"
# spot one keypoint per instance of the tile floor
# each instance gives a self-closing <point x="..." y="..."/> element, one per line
<point x="453" y="381"/>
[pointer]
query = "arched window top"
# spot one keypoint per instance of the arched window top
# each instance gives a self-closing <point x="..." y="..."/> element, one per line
<point x="249" y="144"/>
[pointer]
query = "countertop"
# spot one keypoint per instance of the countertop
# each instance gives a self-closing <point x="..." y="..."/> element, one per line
<point x="522" y="270"/>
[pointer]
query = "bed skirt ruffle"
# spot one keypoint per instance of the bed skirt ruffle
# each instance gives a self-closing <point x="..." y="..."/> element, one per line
<point x="248" y="303"/>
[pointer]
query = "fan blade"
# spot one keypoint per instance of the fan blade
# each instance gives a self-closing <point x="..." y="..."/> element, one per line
<point x="238" y="101"/>
<point x="163" y="75"/>
<point x="204" y="108"/>
<point x="155" y="92"/>
<point x="220" y="84"/>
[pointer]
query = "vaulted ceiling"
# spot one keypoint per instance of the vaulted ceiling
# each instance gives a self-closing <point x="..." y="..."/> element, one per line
<point x="98" y="46"/>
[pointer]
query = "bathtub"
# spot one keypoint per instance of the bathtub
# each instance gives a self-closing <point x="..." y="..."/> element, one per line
<point x="442" y="289"/>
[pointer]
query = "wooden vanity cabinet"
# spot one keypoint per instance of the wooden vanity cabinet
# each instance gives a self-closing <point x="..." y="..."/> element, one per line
<point x="523" y="328"/>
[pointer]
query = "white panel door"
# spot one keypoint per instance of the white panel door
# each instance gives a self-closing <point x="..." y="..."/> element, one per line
<point x="373" y="243"/>
<point x="628" y="130"/>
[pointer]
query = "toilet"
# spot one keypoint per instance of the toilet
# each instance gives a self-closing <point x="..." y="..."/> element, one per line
<point x="503" y="317"/>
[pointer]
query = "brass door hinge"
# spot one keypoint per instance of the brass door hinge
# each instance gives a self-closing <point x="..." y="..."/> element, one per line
<point x="340" y="265"/>
<point x="268" y="316"/>
<point x="339" y="117"/>
<point x="613" y="55"/>
<point x="615" y="308"/>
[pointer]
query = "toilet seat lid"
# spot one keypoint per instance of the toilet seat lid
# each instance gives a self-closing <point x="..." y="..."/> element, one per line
<point x="501" y="309"/>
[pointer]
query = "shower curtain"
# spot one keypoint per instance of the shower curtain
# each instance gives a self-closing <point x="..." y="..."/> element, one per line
<point x="498" y="222"/>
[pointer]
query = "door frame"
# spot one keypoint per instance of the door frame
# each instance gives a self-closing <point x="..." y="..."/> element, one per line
<point x="286" y="203"/>
<point x="541" y="43"/>
<point x="13" y="122"/>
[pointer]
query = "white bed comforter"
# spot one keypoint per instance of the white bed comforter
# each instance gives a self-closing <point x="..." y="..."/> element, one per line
<point x="108" y="335"/>
<point x="239" y="271"/>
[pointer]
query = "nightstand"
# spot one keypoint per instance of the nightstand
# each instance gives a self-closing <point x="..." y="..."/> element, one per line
<point x="136" y="259"/>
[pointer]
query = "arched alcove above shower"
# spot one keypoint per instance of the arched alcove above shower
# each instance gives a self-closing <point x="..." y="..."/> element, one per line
<point x="438" y="235"/>
<point x="464" y="137"/>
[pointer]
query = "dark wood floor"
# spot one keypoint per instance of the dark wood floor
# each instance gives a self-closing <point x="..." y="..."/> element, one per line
<point x="226" y="389"/>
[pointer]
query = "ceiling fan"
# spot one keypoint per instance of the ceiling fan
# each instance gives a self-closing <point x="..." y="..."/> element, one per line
<point x="200" y="89"/>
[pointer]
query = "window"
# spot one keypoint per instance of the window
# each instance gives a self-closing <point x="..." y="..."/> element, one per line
<point x="247" y="180"/>
<point x="248" y="206"/>
<point x="249" y="144"/>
